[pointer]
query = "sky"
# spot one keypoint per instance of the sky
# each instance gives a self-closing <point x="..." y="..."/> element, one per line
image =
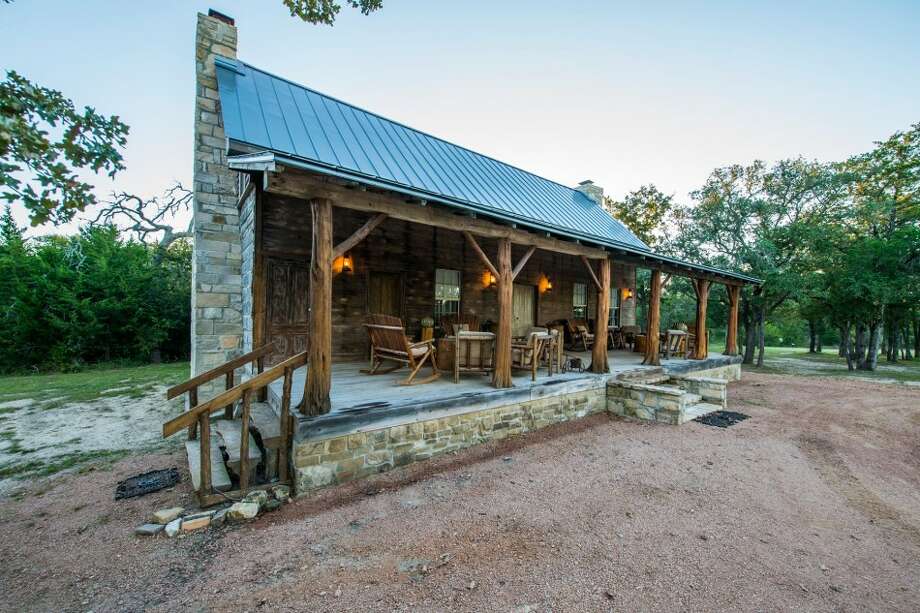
<point x="623" y="93"/>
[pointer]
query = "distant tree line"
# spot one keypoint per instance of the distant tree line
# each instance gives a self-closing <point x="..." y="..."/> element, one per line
<point x="96" y="296"/>
<point x="837" y="245"/>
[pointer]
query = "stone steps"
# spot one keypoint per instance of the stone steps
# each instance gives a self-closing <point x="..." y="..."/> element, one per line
<point x="699" y="409"/>
<point x="220" y="478"/>
<point x="229" y="439"/>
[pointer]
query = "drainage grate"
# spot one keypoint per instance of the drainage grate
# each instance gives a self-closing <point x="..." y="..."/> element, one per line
<point x="721" y="419"/>
<point x="146" y="483"/>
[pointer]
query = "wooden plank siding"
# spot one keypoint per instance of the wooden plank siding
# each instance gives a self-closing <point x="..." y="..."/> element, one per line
<point x="410" y="250"/>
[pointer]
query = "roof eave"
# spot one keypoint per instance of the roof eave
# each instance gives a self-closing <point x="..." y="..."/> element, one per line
<point x="266" y="160"/>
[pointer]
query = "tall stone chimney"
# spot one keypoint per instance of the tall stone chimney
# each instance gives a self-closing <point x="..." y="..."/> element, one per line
<point x="217" y="328"/>
<point x="592" y="191"/>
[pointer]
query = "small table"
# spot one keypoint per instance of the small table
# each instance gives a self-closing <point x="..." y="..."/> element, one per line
<point x="474" y="352"/>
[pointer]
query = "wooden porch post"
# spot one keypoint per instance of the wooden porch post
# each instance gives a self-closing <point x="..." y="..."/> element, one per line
<point x="599" y="362"/>
<point x="319" y="357"/>
<point x="654" y="321"/>
<point x="731" y="335"/>
<point x="701" y="288"/>
<point x="505" y="279"/>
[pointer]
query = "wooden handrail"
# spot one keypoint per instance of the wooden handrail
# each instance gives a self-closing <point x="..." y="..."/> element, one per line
<point x="223" y="369"/>
<point x="231" y="395"/>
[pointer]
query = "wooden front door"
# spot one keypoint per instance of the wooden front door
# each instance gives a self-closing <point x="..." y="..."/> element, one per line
<point x="384" y="293"/>
<point x="523" y="309"/>
<point x="288" y="305"/>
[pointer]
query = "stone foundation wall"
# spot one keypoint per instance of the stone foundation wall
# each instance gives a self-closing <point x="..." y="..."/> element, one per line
<point x="319" y="463"/>
<point x="730" y="372"/>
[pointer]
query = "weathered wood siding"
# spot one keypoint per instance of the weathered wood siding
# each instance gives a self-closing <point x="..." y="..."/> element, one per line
<point x="411" y="251"/>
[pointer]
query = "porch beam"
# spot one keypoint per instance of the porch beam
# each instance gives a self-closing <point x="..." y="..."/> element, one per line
<point x="701" y="289"/>
<point x="482" y="254"/>
<point x="654" y="320"/>
<point x="319" y="354"/>
<point x="731" y="334"/>
<point x="523" y="262"/>
<point x="597" y="283"/>
<point x="301" y="184"/>
<point x="599" y="363"/>
<point x="360" y="234"/>
<point x="502" y="376"/>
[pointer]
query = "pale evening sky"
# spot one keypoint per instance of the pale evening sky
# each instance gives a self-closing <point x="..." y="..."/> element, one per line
<point x="624" y="93"/>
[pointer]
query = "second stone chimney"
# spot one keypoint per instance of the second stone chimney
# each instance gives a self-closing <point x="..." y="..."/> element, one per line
<point x="592" y="191"/>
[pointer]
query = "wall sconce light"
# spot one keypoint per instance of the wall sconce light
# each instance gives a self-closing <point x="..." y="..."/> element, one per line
<point x="627" y="293"/>
<point x="343" y="263"/>
<point x="544" y="284"/>
<point x="488" y="280"/>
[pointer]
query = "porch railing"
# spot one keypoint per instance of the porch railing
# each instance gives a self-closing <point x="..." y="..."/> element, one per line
<point x="226" y="370"/>
<point x="199" y="416"/>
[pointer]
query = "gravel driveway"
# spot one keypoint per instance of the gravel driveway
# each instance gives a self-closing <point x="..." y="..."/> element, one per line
<point x="812" y="504"/>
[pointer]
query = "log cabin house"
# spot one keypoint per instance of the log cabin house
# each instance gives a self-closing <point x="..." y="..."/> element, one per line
<point x="313" y="216"/>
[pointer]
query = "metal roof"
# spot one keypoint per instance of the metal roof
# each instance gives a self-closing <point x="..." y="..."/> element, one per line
<point x="263" y="112"/>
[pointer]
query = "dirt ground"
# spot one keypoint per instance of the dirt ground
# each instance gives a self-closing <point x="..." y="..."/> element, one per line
<point x="812" y="504"/>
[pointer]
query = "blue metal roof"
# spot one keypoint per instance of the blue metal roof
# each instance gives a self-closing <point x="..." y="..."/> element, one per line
<point x="271" y="113"/>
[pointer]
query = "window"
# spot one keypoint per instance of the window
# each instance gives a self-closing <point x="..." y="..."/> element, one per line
<point x="446" y="292"/>
<point x="580" y="301"/>
<point x="614" y="307"/>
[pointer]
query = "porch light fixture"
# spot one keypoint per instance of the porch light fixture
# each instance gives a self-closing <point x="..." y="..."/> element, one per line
<point x="343" y="263"/>
<point x="544" y="284"/>
<point x="488" y="280"/>
<point x="627" y="293"/>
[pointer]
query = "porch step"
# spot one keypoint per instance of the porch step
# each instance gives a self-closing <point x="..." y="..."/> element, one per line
<point x="220" y="479"/>
<point x="228" y="431"/>
<point x="262" y="417"/>
<point x="691" y="399"/>
<point x="698" y="409"/>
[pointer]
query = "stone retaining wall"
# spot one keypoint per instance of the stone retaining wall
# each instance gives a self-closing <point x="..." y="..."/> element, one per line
<point x="318" y="463"/>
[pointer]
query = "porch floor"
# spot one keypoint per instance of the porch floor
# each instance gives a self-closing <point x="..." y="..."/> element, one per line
<point x="362" y="402"/>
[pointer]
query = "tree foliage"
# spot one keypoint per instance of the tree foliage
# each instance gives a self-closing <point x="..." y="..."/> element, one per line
<point x="90" y="297"/>
<point x="647" y="211"/>
<point x="325" y="11"/>
<point x="44" y="142"/>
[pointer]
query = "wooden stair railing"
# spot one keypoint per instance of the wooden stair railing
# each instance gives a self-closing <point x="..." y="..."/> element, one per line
<point x="201" y="413"/>
<point x="228" y="371"/>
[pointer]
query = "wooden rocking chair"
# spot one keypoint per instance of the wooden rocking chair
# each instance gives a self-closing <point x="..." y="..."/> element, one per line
<point x="389" y="342"/>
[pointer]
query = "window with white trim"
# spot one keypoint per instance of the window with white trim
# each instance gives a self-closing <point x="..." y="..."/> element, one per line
<point x="580" y="301"/>
<point x="446" y="292"/>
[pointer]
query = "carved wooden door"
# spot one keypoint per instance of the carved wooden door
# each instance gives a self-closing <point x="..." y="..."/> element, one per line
<point x="288" y="307"/>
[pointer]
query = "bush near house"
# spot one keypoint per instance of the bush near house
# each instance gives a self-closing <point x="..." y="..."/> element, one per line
<point x="92" y="297"/>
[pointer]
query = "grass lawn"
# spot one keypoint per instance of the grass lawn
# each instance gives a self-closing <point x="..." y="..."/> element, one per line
<point x="53" y="390"/>
<point x="797" y="361"/>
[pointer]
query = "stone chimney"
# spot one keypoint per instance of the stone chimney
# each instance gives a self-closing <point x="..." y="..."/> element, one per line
<point x="592" y="191"/>
<point x="217" y="328"/>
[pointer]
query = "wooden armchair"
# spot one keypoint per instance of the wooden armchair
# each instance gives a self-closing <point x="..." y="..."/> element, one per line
<point x="389" y="342"/>
<point x="629" y="335"/>
<point x="580" y="334"/>
<point x="525" y="355"/>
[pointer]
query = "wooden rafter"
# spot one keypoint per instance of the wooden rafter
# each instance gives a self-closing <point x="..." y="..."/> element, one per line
<point x="590" y="268"/>
<point x="482" y="254"/>
<point x="520" y="265"/>
<point x="359" y="235"/>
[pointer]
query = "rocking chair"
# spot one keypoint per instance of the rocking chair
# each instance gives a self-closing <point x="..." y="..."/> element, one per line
<point x="389" y="342"/>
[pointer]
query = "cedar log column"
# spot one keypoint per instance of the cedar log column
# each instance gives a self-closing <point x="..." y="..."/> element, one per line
<point x="319" y="357"/>
<point x="654" y="321"/>
<point x="701" y="288"/>
<point x="502" y="376"/>
<point x="599" y="351"/>
<point x="731" y="335"/>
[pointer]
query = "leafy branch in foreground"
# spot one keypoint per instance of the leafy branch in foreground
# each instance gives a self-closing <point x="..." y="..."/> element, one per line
<point x="44" y="136"/>
<point x="325" y="11"/>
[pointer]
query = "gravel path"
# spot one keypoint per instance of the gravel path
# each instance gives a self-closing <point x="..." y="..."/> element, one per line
<point x="813" y="504"/>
